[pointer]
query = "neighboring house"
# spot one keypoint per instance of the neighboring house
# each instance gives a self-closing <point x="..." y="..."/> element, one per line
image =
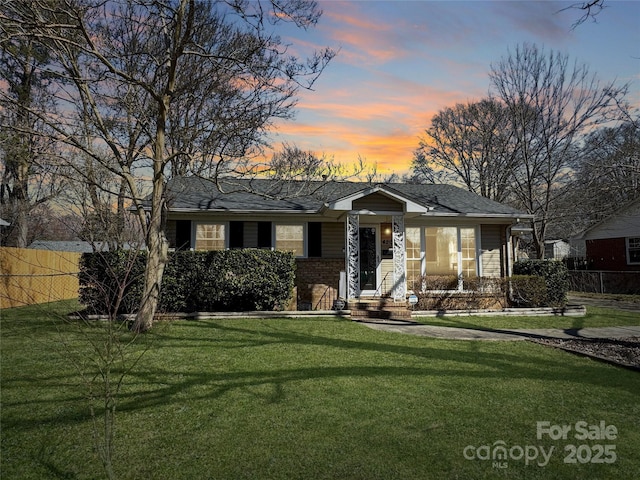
<point x="377" y="237"/>
<point x="77" y="246"/>
<point x="614" y="243"/>
<point x="556" y="249"/>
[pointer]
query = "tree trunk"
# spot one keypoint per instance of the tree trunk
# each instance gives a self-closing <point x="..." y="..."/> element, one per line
<point x="157" y="243"/>
<point x="538" y="240"/>
<point x="158" y="247"/>
<point x="21" y="225"/>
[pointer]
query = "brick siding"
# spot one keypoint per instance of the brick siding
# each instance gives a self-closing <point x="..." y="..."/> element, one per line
<point x="317" y="281"/>
<point x="608" y="254"/>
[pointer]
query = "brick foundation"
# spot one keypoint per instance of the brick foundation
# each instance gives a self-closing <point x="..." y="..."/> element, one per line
<point x="317" y="282"/>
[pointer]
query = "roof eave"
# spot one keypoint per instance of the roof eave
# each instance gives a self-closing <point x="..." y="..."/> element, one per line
<point x="512" y="216"/>
<point x="243" y="211"/>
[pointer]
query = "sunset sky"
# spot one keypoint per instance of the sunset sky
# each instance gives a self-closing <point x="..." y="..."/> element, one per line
<point x="400" y="62"/>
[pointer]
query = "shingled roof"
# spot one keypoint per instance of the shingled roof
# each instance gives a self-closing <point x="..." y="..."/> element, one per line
<point x="194" y="194"/>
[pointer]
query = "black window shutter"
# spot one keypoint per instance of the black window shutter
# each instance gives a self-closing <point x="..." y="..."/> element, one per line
<point x="264" y="234"/>
<point x="314" y="242"/>
<point x="183" y="234"/>
<point x="236" y="234"/>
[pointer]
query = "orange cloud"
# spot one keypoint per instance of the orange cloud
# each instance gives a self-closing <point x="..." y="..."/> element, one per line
<point x="379" y="121"/>
<point x="360" y="37"/>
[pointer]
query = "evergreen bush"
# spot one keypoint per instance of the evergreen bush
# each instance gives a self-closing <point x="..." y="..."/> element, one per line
<point x="527" y="291"/>
<point x="556" y="277"/>
<point x="225" y="280"/>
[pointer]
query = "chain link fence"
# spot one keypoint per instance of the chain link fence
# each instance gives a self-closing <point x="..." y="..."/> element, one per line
<point x="600" y="281"/>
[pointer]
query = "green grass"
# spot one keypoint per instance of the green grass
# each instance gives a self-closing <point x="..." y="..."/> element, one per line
<point x="607" y="296"/>
<point x="595" y="317"/>
<point x="304" y="399"/>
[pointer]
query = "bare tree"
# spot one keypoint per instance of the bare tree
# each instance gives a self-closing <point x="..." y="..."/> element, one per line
<point x="606" y="176"/>
<point x="28" y="167"/>
<point x="470" y="144"/>
<point x="172" y="87"/>
<point x="552" y="104"/>
<point x="589" y="10"/>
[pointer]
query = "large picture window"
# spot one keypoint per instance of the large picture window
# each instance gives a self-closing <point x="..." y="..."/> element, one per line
<point x="290" y="238"/>
<point x="441" y="250"/>
<point x="210" y="236"/>
<point x="449" y="251"/>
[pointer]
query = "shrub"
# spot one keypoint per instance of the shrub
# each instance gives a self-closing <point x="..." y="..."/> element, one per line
<point x="555" y="274"/>
<point x="527" y="291"/>
<point x="430" y="283"/>
<point x="110" y="282"/>
<point x="226" y="280"/>
<point x="440" y="292"/>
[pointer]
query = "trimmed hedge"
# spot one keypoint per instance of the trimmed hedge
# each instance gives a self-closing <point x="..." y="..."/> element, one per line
<point x="556" y="277"/>
<point x="527" y="291"/>
<point x="440" y="292"/>
<point x="225" y="280"/>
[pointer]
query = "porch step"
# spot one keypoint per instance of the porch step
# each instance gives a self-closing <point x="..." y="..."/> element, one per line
<point x="381" y="308"/>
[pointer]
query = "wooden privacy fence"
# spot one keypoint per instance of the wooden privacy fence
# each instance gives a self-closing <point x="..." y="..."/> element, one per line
<point x="37" y="276"/>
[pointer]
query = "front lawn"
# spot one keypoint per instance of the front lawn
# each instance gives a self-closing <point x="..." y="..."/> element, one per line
<point x="595" y="317"/>
<point x="310" y="399"/>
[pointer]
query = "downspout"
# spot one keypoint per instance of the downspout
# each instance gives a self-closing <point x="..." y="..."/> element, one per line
<point x="509" y="261"/>
<point x="509" y="270"/>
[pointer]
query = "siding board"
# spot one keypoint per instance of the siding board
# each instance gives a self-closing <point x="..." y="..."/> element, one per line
<point x="333" y="238"/>
<point x="490" y="250"/>
<point x="377" y="202"/>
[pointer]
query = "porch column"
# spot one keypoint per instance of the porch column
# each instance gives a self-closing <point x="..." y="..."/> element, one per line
<point x="353" y="255"/>
<point x="399" y="290"/>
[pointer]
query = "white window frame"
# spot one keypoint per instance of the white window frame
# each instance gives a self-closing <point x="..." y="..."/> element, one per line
<point x="628" y="249"/>
<point x="194" y="234"/>
<point x="421" y="250"/>
<point x="423" y="240"/>
<point x="274" y="239"/>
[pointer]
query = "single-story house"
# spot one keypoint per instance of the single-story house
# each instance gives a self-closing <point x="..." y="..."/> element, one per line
<point x="77" y="246"/>
<point x="360" y="239"/>
<point x="613" y="244"/>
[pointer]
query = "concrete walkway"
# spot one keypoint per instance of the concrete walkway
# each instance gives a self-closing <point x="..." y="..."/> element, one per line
<point x="456" y="333"/>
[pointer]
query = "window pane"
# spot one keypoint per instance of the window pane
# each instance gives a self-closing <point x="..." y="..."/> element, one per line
<point x="634" y="250"/>
<point x="209" y="236"/>
<point x="413" y="242"/>
<point x="442" y="250"/>
<point x="290" y="238"/>
<point x="414" y="271"/>
<point x="414" y="262"/>
<point x="468" y="249"/>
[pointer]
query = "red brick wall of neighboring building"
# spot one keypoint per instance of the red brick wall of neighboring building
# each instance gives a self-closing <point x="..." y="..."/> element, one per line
<point x="608" y="254"/>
